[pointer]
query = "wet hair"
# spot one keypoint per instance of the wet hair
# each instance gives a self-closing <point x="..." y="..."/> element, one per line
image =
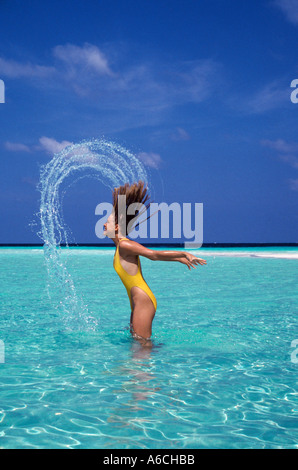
<point x="136" y="192"/>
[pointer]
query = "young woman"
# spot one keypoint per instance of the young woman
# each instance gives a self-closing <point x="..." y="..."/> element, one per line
<point x="127" y="262"/>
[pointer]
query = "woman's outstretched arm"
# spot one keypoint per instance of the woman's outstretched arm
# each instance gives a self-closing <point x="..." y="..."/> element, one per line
<point x="130" y="247"/>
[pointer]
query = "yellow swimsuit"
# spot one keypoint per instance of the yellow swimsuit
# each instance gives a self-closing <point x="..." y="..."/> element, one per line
<point x="130" y="281"/>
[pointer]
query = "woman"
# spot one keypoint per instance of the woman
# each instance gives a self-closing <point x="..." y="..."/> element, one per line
<point x="127" y="262"/>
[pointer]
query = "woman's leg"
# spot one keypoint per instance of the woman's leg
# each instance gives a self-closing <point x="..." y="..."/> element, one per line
<point x="142" y="314"/>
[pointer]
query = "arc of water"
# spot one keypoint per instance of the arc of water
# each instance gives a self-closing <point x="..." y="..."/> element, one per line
<point x="112" y="165"/>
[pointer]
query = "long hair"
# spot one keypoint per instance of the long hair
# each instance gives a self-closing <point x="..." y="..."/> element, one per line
<point x="134" y="193"/>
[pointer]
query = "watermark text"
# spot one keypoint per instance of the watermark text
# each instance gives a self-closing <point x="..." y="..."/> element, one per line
<point x="185" y="221"/>
<point x="294" y="353"/>
<point x="2" y="91"/>
<point x="294" y="94"/>
<point x="2" y="352"/>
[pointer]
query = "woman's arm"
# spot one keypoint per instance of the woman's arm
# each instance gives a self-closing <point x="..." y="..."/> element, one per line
<point x="130" y="247"/>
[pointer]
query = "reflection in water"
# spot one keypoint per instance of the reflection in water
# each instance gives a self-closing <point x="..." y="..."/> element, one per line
<point x="142" y="374"/>
<point x="138" y="387"/>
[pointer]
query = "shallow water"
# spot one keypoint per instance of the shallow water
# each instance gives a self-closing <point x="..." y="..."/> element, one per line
<point x="219" y="374"/>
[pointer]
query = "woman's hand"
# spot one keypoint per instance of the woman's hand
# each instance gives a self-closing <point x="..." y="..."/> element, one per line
<point x="191" y="260"/>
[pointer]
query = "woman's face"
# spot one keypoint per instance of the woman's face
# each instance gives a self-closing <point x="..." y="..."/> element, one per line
<point x="109" y="226"/>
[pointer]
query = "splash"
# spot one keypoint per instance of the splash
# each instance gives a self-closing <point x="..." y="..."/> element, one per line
<point x="112" y="165"/>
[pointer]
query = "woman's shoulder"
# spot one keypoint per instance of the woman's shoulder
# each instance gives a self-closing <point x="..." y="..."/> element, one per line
<point x="130" y="247"/>
<point x="127" y="248"/>
<point x="128" y="244"/>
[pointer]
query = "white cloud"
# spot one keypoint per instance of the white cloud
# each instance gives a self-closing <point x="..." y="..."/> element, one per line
<point x="47" y="145"/>
<point x="180" y="134"/>
<point x="293" y="184"/>
<point x="288" y="153"/>
<point x="289" y="8"/>
<point x="281" y="145"/>
<point x="150" y="159"/>
<point x="15" y="147"/>
<point x="75" y="59"/>
<point x="89" y="57"/>
<point x="13" y="69"/>
<point x="271" y="96"/>
<point x="145" y="86"/>
<point x="132" y="93"/>
<point x="52" y="146"/>
<point x="291" y="159"/>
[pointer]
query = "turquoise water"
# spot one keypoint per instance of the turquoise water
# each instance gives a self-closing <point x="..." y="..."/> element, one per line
<point x="219" y="374"/>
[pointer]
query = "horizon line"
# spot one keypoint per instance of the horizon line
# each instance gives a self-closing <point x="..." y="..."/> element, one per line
<point x="204" y="245"/>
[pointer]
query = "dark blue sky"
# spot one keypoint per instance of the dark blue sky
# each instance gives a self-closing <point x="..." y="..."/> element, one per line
<point x="199" y="90"/>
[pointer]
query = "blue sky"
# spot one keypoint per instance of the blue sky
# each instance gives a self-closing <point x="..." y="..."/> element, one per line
<point x="199" y="90"/>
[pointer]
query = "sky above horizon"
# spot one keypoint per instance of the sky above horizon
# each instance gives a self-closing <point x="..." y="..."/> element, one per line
<point x="199" y="91"/>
